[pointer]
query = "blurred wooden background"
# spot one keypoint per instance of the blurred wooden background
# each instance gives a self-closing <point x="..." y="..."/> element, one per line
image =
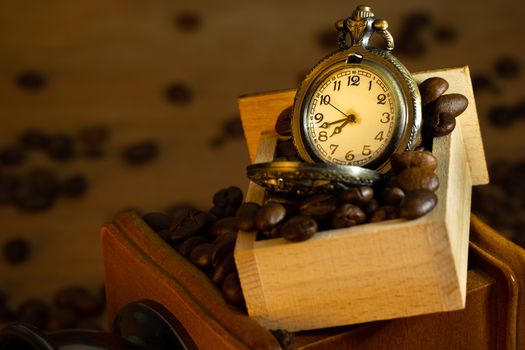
<point x="110" y="62"/>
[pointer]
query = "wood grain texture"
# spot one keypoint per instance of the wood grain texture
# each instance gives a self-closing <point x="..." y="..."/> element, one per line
<point x="139" y="265"/>
<point x="367" y="272"/>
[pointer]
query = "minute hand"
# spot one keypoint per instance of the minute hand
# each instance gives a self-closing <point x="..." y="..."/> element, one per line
<point x="350" y="117"/>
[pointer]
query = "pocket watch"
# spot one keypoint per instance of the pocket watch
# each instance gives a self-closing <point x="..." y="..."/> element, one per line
<point x="358" y="105"/>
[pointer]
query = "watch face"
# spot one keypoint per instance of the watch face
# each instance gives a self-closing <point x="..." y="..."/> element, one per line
<point x="349" y="117"/>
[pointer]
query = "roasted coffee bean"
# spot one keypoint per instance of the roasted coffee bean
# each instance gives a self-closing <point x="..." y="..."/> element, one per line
<point x="453" y="104"/>
<point x="232" y="127"/>
<point x="12" y="156"/>
<point x="481" y="82"/>
<point x="357" y="195"/>
<point x="327" y="39"/>
<point x="224" y="226"/>
<point x="9" y="186"/>
<point x="507" y="67"/>
<point x="201" y="255"/>
<point x="188" y="245"/>
<point x="228" y="196"/>
<point x="286" y="339"/>
<point x="94" y="136"/>
<point x="187" y="21"/>
<point x="371" y="207"/>
<point x="347" y="215"/>
<point x="33" y="311"/>
<point x="431" y="89"/>
<point x="42" y="180"/>
<point x="440" y="124"/>
<point x="411" y="45"/>
<point x="216" y="212"/>
<point x="186" y="223"/>
<point x="60" y="147"/>
<point x="61" y="319"/>
<point x="179" y="94"/>
<point x="34" y="139"/>
<point x="318" y="206"/>
<point x="246" y="216"/>
<point x="31" y="80"/>
<point x="269" y="216"/>
<point x="93" y="152"/>
<point x="417" y="179"/>
<point x="299" y="228"/>
<point x="392" y="196"/>
<point x="283" y="126"/>
<point x="34" y="202"/>
<point x="16" y="250"/>
<point x="74" y="186"/>
<point x="231" y="288"/>
<point x="80" y="300"/>
<point x="417" y="159"/>
<point x="223" y="269"/>
<point x="385" y="213"/>
<point x="165" y="235"/>
<point x="417" y="203"/>
<point x="519" y="110"/>
<point x="417" y="20"/>
<point x="222" y="247"/>
<point x="286" y="148"/>
<point x="445" y="34"/>
<point x="140" y="153"/>
<point x="271" y="233"/>
<point x="501" y="116"/>
<point x="157" y="221"/>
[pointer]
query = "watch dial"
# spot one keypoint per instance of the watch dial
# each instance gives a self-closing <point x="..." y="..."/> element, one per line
<point x="350" y="117"/>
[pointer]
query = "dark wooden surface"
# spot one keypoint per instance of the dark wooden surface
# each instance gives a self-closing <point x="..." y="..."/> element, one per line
<point x="109" y="62"/>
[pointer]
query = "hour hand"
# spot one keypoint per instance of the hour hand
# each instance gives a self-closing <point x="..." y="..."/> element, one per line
<point x="325" y="125"/>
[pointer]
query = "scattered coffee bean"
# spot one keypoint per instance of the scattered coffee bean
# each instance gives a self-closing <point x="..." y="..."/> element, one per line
<point x="223" y="269"/>
<point x="431" y="89"/>
<point x="231" y="287"/>
<point x="269" y="216"/>
<point x="140" y="153"/>
<point x="246" y="216"/>
<point x="319" y="206"/>
<point x="16" y="250"/>
<point x="9" y="185"/>
<point x="188" y="245"/>
<point x="417" y="159"/>
<point x="224" y="226"/>
<point x="201" y="255"/>
<point x="33" y="311"/>
<point x="186" y="223"/>
<point x="228" y="196"/>
<point x="12" y="156"/>
<point x="392" y="196"/>
<point x="60" y="147"/>
<point x="299" y="228"/>
<point x="347" y="215"/>
<point x="179" y="94"/>
<point x="412" y="179"/>
<point x="440" y="124"/>
<point x="385" y="213"/>
<point x="357" y="195"/>
<point x="417" y="203"/>
<point x="157" y="221"/>
<point x="519" y="110"/>
<point x="232" y="128"/>
<point x="283" y="126"/>
<point x="74" y="186"/>
<point x="34" y="139"/>
<point x="453" y="104"/>
<point x="31" y="81"/>
<point x="501" y="116"/>
<point x="445" y="35"/>
<point x="507" y="67"/>
<point x="481" y="82"/>
<point x="327" y="40"/>
<point x="286" y="148"/>
<point x="371" y="207"/>
<point x="187" y="21"/>
<point x="417" y="20"/>
<point x="224" y="245"/>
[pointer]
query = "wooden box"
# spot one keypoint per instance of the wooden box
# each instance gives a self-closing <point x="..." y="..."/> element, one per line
<point x="369" y="272"/>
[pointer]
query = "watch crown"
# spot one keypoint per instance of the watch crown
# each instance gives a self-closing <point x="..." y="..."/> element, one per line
<point x="362" y="11"/>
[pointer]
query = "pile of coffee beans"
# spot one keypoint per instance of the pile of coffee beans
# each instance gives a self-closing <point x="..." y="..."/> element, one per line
<point x="35" y="189"/>
<point x="72" y="307"/>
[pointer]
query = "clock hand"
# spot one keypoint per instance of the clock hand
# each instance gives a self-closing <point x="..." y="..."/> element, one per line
<point x="338" y="129"/>
<point x="337" y="109"/>
<point x="325" y="125"/>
